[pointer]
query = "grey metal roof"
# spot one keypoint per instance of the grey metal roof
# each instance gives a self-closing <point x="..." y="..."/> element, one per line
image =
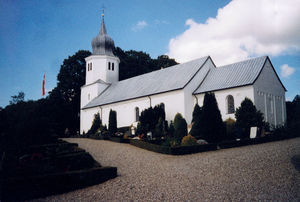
<point x="168" y="79"/>
<point x="233" y="75"/>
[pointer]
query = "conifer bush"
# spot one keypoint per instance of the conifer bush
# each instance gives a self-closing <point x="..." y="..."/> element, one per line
<point x="212" y="127"/>
<point x="188" y="140"/>
<point x="180" y="127"/>
<point x="96" y="125"/>
<point x="197" y="122"/>
<point x="112" y="122"/>
<point x="230" y="128"/>
<point x="248" y="116"/>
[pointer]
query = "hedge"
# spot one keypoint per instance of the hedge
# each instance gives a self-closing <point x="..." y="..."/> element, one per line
<point x="25" y="188"/>
<point x="179" y="150"/>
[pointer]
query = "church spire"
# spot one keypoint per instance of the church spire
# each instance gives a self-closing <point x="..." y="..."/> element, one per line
<point x="103" y="44"/>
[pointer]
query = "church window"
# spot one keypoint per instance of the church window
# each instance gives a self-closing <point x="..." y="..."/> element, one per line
<point x="230" y="104"/>
<point x="162" y="105"/>
<point x="91" y="66"/>
<point x="113" y="66"/>
<point x="88" y="66"/>
<point x="137" y="114"/>
<point x="108" y="65"/>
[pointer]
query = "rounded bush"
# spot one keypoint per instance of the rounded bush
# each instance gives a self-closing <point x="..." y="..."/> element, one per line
<point x="188" y="140"/>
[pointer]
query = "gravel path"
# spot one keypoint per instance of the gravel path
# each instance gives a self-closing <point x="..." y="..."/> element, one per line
<point x="258" y="172"/>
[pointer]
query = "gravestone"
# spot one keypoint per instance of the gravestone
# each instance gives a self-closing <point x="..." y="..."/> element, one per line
<point x="253" y="132"/>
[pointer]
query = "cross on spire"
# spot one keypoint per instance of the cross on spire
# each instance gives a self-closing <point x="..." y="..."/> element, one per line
<point x="103" y="8"/>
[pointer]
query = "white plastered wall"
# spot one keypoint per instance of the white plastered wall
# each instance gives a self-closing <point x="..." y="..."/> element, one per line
<point x="172" y="100"/>
<point x="269" y="96"/>
<point x="238" y="93"/>
<point x="88" y="93"/>
<point x="100" y="69"/>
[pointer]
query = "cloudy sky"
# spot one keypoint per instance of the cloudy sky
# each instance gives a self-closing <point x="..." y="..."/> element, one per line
<point x="36" y="35"/>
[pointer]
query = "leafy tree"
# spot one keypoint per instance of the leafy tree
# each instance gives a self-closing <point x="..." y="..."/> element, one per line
<point x="197" y="122"/>
<point x="66" y="96"/>
<point x="248" y="116"/>
<point x="17" y="98"/>
<point x="96" y="125"/>
<point x="112" y="122"/>
<point x="212" y="129"/>
<point x="134" y="63"/>
<point x="180" y="127"/>
<point x="293" y="115"/>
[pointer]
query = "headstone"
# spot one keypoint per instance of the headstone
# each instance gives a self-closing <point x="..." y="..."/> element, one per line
<point x="253" y="132"/>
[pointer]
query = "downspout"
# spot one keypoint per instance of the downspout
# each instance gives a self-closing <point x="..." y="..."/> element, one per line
<point x="150" y="100"/>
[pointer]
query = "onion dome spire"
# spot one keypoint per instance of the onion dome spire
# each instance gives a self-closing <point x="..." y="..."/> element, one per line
<point x="103" y="44"/>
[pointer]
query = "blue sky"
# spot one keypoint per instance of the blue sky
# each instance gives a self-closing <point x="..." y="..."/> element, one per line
<point x="37" y="35"/>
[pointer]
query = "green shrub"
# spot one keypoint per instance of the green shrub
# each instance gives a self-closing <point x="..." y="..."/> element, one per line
<point x="230" y="128"/>
<point x="248" y="116"/>
<point x="171" y="129"/>
<point x="197" y="123"/>
<point x="180" y="127"/>
<point x="212" y="127"/>
<point x="188" y="140"/>
<point x="96" y="125"/>
<point x="112" y="122"/>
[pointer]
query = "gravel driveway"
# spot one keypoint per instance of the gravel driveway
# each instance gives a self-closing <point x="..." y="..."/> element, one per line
<point x="258" y="172"/>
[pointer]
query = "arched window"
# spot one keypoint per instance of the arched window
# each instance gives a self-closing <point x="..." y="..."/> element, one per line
<point x="113" y="66"/>
<point x="137" y="114"/>
<point x="162" y="105"/>
<point x="230" y="104"/>
<point x="108" y="65"/>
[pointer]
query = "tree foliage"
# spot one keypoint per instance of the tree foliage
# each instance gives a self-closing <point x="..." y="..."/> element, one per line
<point x="149" y="120"/>
<point x="212" y="127"/>
<point x="248" y="116"/>
<point x="180" y="127"/>
<point x="197" y="122"/>
<point x="17" y="98"/>
<point x="134" y="63"/>
<point x="96" y="125"/>
<point x="112" y="122"/>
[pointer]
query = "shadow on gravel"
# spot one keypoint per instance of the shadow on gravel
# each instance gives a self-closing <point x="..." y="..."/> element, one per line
<point x="296" y="162"/>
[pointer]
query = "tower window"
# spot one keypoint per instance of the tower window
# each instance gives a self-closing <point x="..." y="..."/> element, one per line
<point x="108" y="65"/>
<point x="230" y="104"/>
<point x="113" y="66"/>
<point x="91" y="66"/>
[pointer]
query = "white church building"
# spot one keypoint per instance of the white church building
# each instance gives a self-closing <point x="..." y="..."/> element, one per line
<point x="178" y="87"/>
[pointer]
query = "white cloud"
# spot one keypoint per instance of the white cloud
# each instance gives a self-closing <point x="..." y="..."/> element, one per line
<point x="286" y="70"/>
<point x="243" y="28"/>
<point x="139" y="26"/>
<point x="164" y="22"/>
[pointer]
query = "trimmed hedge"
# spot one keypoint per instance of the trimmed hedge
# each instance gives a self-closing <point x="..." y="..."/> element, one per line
<point x="179" y="150"/>
<point x="119" y="140"/>
<point x="25" y="188"/>
<point x="150" y="147"/>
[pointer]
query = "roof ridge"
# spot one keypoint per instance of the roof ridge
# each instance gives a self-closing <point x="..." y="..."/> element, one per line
<point x="164" y="69"/>
<point x="242" y="61"/>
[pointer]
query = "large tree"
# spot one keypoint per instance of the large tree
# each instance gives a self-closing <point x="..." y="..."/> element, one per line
<point x="134" y="63"/>
<point x="66" y="96"/>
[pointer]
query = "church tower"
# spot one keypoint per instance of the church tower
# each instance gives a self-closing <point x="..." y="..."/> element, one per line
<point x="102" y="67"/>
<point x="102" y="64"/>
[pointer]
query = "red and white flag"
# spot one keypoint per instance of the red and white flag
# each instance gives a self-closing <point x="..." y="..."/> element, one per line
<point x="44" y="85"/>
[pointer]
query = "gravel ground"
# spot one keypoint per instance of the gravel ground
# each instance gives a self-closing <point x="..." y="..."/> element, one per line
<point x="257" y="172"/>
